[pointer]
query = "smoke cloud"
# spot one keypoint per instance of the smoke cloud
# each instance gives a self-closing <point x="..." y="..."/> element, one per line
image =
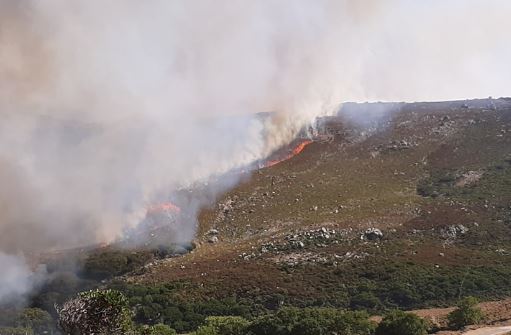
<point x="107" y="107"/>
<point x="17" y="281"/>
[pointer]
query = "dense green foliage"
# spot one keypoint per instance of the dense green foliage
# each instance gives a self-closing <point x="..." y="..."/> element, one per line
<point x="400" y="323"/>
<point x="228" y="325"/>
<point x="375" y="286"/>
<point x="312" y="321"/>
<point x="112" y="263"/>
<point x="158" y="329"/>
<point x="467" y="313"/>
<point x="223" y="325"/>
<point x="206" y="330"/>
<point x="163" y="304"/>
<point x="292" y="321"/>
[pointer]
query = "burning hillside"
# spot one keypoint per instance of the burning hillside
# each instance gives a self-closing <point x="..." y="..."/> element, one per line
<point x="127" y="122"/>
<point x="295" y="148"/>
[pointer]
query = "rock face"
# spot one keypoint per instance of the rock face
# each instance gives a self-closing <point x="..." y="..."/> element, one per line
<point x="454" y="231"/>
<point x="373" y="234"/>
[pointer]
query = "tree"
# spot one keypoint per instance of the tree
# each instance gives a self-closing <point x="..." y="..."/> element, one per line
<point x="96" y="312"/>
<point x="401" y="323"/>
<point x="466" y="314"/>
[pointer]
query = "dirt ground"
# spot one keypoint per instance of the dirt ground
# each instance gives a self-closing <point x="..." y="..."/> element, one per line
<point x="497" y="313"/>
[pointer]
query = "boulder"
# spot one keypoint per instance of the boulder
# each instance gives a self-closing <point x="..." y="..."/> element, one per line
<point x="373" y="234"/>
<point x="213" y="231"/>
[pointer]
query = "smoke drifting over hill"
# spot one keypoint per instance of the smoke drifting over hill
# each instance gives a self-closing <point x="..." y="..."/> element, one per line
<point x="107" y="106"/>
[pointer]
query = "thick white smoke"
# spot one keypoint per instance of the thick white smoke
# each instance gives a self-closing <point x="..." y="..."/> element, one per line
<point x="16" y="281"/>
<point x="106" y="105"/>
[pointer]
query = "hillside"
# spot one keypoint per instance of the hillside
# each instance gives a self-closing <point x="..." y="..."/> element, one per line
<point x="391" y="205"/>
<point x="412" y="210"/>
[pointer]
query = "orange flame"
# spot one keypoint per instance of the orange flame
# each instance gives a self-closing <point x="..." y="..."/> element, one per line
<point x="163" y="207"/>
<point x="298" y="149"/>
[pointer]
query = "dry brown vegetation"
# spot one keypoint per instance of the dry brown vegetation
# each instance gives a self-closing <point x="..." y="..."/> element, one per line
<point x="400" y="176"/>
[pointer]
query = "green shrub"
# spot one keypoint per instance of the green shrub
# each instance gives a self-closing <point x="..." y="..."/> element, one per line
<point x="96" y="312"/>
<point x="206" y="330"/>
<point x="353" y="323"/>
<point x="365" y="300"/>
<point x="228" y="325"/>
<point x="16" y="331"/>
<point x="401" y="323"/>
<point x="160" y="329"/>
<point x="309" y="326"/>
<point x="37" y="319"/>
<point x="312" y="321"/>
<point x="466" y="314"/>
<point x="267" y="325"/>
<point x="107" y="264"/>
<point x="163" y="304"/>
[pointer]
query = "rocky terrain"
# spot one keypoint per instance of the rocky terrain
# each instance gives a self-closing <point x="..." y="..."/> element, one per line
<point x="410" y="208"/>
<point x="392" y="205"/>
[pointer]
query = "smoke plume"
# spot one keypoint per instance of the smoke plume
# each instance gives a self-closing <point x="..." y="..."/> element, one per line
<point x="107" y="106"/>
<point x="17" y="280"/>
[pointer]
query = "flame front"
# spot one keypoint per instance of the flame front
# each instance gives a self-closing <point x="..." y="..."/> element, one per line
<point x="298" y="149"/>
<point x="163" y="207"/>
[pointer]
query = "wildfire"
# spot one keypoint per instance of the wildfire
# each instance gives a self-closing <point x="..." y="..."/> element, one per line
<point x="163" y="207"/>
<point x="299" y="148"/>
<point x="169" y="207"/>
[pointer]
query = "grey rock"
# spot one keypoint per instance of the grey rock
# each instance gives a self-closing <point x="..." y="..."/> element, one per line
<point x="373" y="234"/>
<point x="213" y="231"/>
<point x="454" y="231"/>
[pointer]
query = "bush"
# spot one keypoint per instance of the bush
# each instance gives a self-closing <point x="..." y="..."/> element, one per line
<point x="159" y="329"/>
<point x="228" y="325"/>
<point x="206" y="330"/>
<point x="401" y="323"/>
<point x="365" y="300"/>
<point x="309" y="326"/>
<point x="312" y="321"/>
<point x="163" y="304"/>
<point x="267" y="325"/>
<point x="96" y="312"/>
<point x="16" y="331"/>
<point x="107" y="264"/>
<point x="353" y="323"/>
<point x="466" y="314"/>
<point x="37" y="319"/>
